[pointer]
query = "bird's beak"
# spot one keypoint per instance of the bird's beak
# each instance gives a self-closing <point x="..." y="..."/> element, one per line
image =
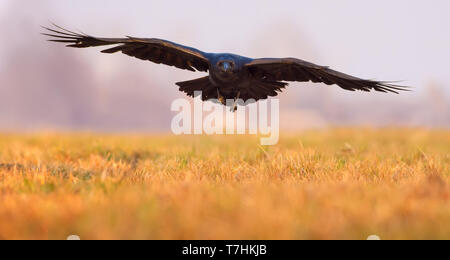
<point x="226" y="66"/>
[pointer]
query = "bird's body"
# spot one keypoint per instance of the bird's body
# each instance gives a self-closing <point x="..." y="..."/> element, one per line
<point x="230" y="76"/>
<point x="227" y="75"/>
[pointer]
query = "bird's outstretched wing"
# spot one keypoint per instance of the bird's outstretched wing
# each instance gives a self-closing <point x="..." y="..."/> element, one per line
<point x="155" y="50"/>
<point x="291" y="69"/>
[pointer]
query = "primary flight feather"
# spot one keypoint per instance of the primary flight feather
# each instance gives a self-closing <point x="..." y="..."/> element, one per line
<point x="230" y="76"/>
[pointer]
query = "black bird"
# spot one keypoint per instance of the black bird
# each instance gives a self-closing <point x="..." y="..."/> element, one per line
<point x="230" y="76"/>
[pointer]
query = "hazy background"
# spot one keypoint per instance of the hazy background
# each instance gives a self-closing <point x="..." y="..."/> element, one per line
<point x="46" y="86"/>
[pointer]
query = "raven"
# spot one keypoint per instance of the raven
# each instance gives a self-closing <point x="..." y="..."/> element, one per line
<point x="230" y="76"/>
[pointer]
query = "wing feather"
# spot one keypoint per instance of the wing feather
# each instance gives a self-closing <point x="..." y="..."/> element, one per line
<point x="291" y="69"/>
<point x="154" y="50"/>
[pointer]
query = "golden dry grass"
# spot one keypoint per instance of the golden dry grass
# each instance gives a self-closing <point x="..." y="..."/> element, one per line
<point x="333" y="184"/>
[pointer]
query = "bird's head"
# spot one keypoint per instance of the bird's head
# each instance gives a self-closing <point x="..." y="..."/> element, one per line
<point x="226" y="67"/>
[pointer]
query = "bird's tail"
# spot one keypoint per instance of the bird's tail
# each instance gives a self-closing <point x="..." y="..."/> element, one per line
<point x="209" y="91"/>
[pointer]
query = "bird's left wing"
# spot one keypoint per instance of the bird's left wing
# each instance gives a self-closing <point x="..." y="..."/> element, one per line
<point x="155" y="50"/>
<point x="291" y="69"/>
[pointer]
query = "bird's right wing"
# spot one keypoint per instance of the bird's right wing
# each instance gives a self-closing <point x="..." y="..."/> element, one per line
<point x="155" y="50"/>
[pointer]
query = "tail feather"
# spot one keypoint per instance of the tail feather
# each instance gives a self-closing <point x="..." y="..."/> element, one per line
<point x="260" y="90"/>
<point x="209" y="91"/>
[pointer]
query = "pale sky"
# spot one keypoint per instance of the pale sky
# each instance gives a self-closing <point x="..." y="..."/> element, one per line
<point x="402" y="39"/>
<point x="386" y="40"/>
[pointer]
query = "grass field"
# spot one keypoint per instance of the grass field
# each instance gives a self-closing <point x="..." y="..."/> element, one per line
<point x="330" y="184"/>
